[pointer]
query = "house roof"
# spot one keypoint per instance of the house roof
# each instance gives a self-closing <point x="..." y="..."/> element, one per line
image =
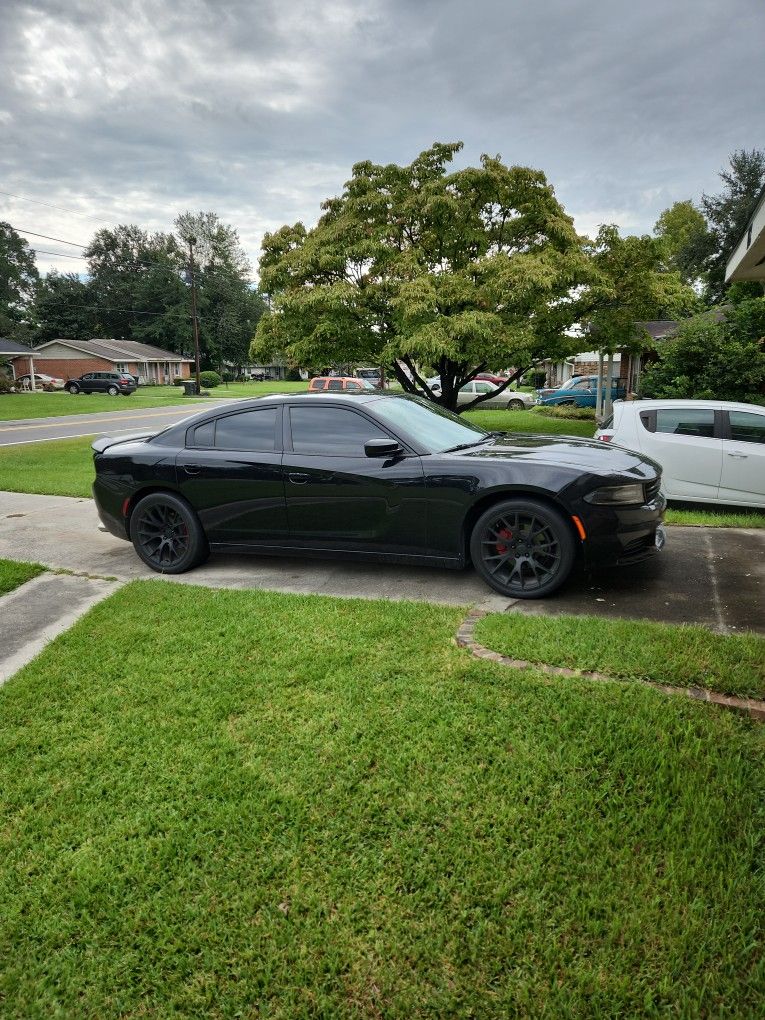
<point x="119" y="350"/>
<point x="12" y="347"/>
<point x="659" y="329"/>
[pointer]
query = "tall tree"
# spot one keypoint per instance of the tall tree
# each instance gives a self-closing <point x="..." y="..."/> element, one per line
<point x="729" y="211"/>
<point x="65" y="307"/>
<point x="116" y="263"/>
<point x="422" y="269"/>
<point x="685" y="240"/>
<point x="18" y="281"/>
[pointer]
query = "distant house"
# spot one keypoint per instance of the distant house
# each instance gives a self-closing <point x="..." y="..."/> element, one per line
<point x="748" y="259"/>
<point x="69" y="359"/>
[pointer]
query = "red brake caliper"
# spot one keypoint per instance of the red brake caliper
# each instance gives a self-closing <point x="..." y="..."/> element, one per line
<point x="506" y="534"/>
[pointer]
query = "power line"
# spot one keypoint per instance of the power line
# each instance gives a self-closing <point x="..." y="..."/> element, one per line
<point x="47" y="237"/>
<point x="59" y="254"/>
<point x="35" y="201"/>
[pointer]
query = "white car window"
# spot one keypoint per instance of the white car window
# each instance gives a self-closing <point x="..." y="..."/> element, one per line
<point x="747" y="426"/>
<point x="686" y="421"/>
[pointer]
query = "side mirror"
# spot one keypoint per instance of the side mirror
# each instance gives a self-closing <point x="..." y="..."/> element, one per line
<point x="382" y="448"/>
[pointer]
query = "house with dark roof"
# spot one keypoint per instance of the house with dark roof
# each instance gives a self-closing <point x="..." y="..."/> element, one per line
<point x="11" y="351"/>
<point x="69" y="359"/>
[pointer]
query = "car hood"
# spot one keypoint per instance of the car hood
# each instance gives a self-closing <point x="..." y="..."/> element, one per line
<point x="566" y="451"/>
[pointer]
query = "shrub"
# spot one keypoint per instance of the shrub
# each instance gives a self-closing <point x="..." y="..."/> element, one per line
<point x="709" y="360"/>
<point x="571" y="412"/>
<point x="210" y="379"/>
<point x="6" y="385"/>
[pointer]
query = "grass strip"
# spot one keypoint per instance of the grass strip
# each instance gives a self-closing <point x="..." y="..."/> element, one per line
<point x="63" y="467"/>
<point x="682" y="655"/>
<point x="14" y="573"/>
<point x="248" y="804"/>
<point x="741" y="518"/>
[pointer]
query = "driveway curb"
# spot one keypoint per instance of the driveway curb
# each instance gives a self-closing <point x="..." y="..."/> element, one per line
<point x="465" y="638"/>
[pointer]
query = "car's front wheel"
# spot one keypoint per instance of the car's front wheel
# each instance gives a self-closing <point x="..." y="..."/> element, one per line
<point x="523" y="548"/>
<point x="73" y="388"/>
<point x="167" y="534"/>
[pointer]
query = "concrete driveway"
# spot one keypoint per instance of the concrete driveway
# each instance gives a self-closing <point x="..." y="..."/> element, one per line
<point x="715" y="577"/>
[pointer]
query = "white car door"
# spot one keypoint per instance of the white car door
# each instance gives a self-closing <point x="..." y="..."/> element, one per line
<point x="743" y="462"/>
<point x="687" y="445"/>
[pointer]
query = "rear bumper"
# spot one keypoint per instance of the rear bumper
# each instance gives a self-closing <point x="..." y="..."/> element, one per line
<point x="109" y="512"/>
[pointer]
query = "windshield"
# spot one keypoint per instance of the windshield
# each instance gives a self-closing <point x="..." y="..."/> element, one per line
<point x="433" y="426"/>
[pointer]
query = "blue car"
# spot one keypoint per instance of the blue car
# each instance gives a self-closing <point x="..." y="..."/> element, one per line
<point x="579" y="391"/>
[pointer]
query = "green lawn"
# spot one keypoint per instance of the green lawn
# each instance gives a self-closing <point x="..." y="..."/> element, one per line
<point x="530" y="421"/>
<point x="60" y="468"/>
<point x="738" y="518"/>
<point x="13" y="573"/>
<point x="50" y="405"/>
<point x="212" y="817"/>
<point x="684" y="656"/>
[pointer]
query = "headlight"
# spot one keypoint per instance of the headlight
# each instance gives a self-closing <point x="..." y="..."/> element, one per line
<point x="617" y="495"/>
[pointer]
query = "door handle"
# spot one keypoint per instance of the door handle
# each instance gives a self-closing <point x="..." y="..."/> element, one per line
<point x="297" y="477"/>
<point x="192" y="469"/>
<point x="739" y="456"/>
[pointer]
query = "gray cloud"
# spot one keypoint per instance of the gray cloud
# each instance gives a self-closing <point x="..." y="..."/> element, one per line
<point x="131" y="111"/>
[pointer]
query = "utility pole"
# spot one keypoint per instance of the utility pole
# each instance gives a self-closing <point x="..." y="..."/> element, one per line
<point x="194" y="320"/>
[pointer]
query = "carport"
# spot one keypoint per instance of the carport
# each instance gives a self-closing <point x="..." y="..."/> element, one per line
<point x="11" y="349"/>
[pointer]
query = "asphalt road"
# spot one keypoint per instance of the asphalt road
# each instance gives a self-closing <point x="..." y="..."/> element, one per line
<point x="43" y="430"/>
<point x="711" y="576"/>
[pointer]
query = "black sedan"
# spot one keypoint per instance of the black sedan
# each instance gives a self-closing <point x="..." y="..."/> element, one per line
<point x="377" y="476"/>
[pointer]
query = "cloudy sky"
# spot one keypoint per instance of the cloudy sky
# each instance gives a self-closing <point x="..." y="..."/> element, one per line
<point x="121" y="111"/>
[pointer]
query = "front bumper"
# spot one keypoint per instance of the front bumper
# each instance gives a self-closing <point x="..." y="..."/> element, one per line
<point x="624" y="535"/>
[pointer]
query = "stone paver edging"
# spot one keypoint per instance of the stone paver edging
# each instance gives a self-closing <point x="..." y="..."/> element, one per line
<point x="465" y="637"/>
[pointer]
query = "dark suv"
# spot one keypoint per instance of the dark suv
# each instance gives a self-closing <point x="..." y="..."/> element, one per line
<point x="112" y="383"/>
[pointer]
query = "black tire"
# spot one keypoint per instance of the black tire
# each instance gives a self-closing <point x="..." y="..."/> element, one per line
<point x="73" y="388"/>
<point x="516" y="405"/>
<point x="167" y="534"/>
<point x="112" y="391"/>
<point x="523" y="548"/>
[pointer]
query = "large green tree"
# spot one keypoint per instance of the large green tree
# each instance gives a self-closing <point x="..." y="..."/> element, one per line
<point x="728" y="212"/>
<point x="426" y="270"/>
<point x="65" y="307"/>
<point x="18" y="281"/>
<point x="685" y="241"/>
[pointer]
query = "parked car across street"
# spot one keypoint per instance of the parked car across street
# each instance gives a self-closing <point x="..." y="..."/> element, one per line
<point x="113" y="383"/>
<point x="377" y="476"/>
<point x="42" y="382"/>
<point x="711" y="451"/>
<point x="579" y="391"/>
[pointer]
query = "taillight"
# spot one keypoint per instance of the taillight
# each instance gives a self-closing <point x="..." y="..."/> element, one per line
<point x="126" y="507"/>
<point x="605" y="439"/>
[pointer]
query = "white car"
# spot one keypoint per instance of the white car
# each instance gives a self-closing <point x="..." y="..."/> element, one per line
<point x="42" y="382"/>
<point x="711" y="451"/>
<point x="507" y="399"/>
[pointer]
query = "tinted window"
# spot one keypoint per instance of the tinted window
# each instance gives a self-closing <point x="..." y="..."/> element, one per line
<point x="88" y="376"/>
<point x="250" y="430"/>
<point x="318" y="384"/>
<point x="335" y="384"/>
<point x="354" y="386"/>
<point x="204" y="435"/>
<point x="747" y="427"/>
<point x="686" y="421"/>
<point x="333" y="431"/>
<point x="583" y="384"/>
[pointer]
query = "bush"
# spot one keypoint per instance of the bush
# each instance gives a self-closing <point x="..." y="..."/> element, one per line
<point x="178" y="381"/>
<point x="293" y="375"/>
<point x="571" y="412"/>
<point x="6" y="385"/>
<point x="709" y="360"/>
<point x="210" y="379"/>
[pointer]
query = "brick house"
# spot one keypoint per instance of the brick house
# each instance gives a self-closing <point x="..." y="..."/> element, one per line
<point x="69" y="359"/>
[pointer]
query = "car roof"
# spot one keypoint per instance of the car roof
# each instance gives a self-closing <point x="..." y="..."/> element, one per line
<point x="736" y="405"/>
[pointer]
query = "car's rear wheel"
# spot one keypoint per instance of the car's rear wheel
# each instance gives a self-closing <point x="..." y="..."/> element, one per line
<point x="523" y="548"/>
<point x="167" y="534"/>
<point x="73" y="388"/>
<point x="515" y="405"/>
<point x="113" y="391"/>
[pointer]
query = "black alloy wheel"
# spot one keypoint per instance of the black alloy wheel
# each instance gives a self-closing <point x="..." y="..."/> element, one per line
<point x="113" y="391"/>
<point x="167" y="535"/>
<point x="523" y="548"/>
